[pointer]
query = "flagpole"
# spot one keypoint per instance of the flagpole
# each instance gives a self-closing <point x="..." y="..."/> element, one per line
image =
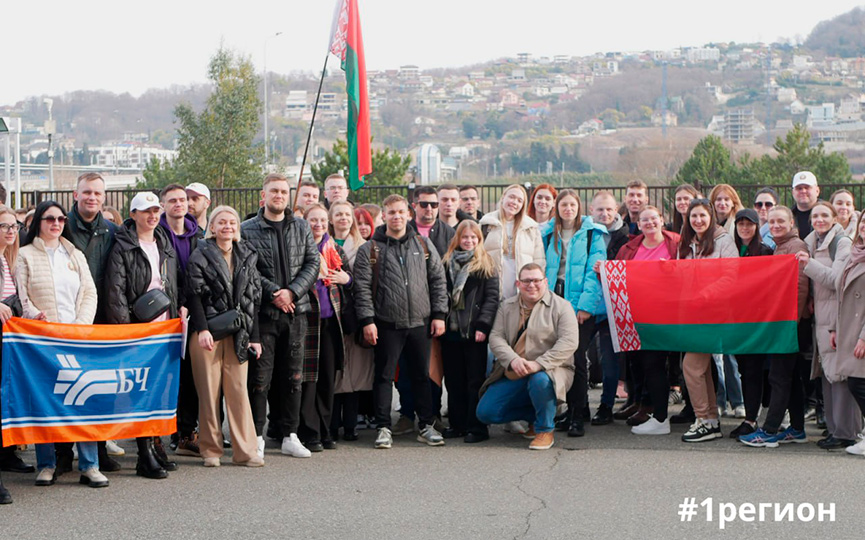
<point x="309" y="133"/>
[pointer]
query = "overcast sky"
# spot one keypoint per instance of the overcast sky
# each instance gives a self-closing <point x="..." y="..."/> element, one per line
<point x="55" y="46"/>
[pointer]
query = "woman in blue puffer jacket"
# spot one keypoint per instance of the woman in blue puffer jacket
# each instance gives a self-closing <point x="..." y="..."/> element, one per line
<point x="572" y="244"/>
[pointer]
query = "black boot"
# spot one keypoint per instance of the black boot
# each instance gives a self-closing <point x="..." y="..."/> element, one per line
<point x="161" y="456"/>
<point x="147" y="465"/>
<point x="106" y="462"/>
<point x="5" y="496"/>
<point x="10" y="462"/>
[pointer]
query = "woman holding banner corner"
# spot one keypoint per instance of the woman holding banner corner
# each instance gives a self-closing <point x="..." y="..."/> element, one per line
<point x="54" y="284"/>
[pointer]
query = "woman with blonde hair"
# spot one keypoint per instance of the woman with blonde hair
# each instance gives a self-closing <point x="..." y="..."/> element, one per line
<point x="10" y="306"/>
<point x="473" y="300"/>
<point x="223" y="284"/>
<point x="725" y="203"/>
<point x="512" y="238"/>
<point x="845" y="207"/>
<point x="356" y="376"/>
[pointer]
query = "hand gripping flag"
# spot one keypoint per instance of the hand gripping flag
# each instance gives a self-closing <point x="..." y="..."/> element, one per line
<point x="346" y="42"/>
<point x="68" y="382"/>
<point x="733" y="306"/>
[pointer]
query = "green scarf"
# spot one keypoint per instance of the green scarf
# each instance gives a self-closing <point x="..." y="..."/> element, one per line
<point x="459" y="274"/>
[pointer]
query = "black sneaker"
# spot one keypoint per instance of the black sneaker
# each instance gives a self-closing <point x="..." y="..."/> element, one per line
<point x="701" y="431"/>
<point x="174" y="441"/>
<point x="603" y="416"/>
<point x="744" y="429"/>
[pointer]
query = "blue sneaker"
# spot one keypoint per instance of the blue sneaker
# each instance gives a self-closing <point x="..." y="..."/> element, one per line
<point x="760" y="439"/>
<point x="791" y="435"/>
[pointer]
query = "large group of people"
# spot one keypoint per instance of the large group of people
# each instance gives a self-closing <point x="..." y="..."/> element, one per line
<point x="304" y="316"/>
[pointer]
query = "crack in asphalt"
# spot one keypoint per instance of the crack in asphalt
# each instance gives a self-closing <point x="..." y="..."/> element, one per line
<point x="541" y="500"/>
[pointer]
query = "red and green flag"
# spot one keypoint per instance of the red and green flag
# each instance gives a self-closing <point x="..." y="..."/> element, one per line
<point x="346" y="42"/>
<point x="733" y="306"/>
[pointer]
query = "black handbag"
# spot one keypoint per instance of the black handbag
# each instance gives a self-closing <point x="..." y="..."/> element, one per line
<point x="225" y="324"/>
<point x="14" y="304"/>
<point x="151" y="305"/>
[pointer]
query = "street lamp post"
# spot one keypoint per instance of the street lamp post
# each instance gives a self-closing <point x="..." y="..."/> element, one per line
<point x="266" y="110"/>
<point x="50" y="128"/>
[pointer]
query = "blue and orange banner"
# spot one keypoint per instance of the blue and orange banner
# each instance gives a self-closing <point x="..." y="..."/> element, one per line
<point x="68" y="382"/>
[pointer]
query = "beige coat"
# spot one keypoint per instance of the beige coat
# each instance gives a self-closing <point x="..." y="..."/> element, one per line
<point x="850" y="230"/>
<point x="824" y="273"/>
<point x="528" y="245"/>
<point x="552" y="337"/>
<point x="36" y="283"/>
<point x="357" y="372"/>
<point x="850" y="326"/>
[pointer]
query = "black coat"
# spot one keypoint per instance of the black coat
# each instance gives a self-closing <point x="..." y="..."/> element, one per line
<point x="481" y="301"/>
<point x="411" y="287"/>
<point x="302" y="262"/>
<point x="440" y="235"/>
<point x="210" y="290"/>
<point x="618" y="238"/>
<point x="95" y="241"/>
<point x="128" y="275"/>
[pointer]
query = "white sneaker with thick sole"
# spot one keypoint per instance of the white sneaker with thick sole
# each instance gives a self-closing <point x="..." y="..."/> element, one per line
<point x="857" y="449"/>
<point x="291" y="446"/>
<point x="739" y="412"/>
<point x="93" y="478"/>
<point x="211" y="462"/>
<point x="652" y="427"/>
<point x="114" y="449"/>
<point x="260" y="447"/>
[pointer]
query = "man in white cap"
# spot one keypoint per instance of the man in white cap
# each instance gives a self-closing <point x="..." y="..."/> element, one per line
<point x="805" y="192"/>
<point x="198" y="196"/>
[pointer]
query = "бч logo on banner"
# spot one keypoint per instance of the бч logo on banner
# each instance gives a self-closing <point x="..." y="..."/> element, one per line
<point x="79" y="385"/>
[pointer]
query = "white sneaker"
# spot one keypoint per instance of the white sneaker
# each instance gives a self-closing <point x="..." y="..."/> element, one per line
<point x="518" y="426"/>
<point x="739" y="412"/>
<point x="260" y="447"/>
<point x="211" y="462"/>
<point x="291" y="446"/>
<point x="114" y="449"/>
<point x="857" y="449"/>
<point x="93" y="478"/>
<point x="652" y="427"/>
<point x="384" y="439"/>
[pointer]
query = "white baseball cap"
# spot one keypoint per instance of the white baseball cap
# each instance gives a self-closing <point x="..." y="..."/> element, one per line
<point x="804" y="177"/>
<point x="199" y="189"/>
<point x="144" y="201"/>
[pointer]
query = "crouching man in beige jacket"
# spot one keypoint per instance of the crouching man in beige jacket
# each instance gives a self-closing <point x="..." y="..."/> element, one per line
<point x="533" y="339"/>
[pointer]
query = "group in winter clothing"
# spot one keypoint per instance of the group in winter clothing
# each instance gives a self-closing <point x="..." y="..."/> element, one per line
<point x="326" y="308"/>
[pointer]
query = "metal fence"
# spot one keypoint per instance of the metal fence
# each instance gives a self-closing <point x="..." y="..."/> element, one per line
<point x="246" y="200"/>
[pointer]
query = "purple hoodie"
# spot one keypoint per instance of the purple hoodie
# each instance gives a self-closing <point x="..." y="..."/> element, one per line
<point x="182" y="244"/>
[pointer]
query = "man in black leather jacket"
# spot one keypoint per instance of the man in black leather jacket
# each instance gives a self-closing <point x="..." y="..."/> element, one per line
<point x="288" y="261"/>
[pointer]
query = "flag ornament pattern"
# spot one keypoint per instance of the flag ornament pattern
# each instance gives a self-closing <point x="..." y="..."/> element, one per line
<point x="67" y="383"/>
<point x="346" y="43"/>
<point x="731" y="306"/>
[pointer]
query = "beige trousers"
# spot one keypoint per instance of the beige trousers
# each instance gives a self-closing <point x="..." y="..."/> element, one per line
<point x="215" y="370"/>
<point x="697" y="368"/>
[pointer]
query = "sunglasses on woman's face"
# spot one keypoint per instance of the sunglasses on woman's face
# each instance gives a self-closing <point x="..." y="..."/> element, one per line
<point x="761" y="204"/>
<point x="55" y="219"/>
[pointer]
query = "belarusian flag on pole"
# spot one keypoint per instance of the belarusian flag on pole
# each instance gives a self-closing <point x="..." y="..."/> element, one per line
<point x="733" y="306"/>
<point x="346" y="42"/>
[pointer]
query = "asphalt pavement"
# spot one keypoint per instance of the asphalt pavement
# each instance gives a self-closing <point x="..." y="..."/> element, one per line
<point x="608" y="484"/>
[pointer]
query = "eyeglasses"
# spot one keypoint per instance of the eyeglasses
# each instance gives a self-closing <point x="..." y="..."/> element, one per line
<point x="428" y="204"/>
<point x="6" y="227"/>
<point x="55" y="219"/>
<point x="761" y="204"/>
<point x="528" y="282"/>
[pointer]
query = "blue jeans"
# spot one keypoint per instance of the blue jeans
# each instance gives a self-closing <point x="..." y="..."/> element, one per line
<point x="88" y="456"/>
<point x="531" y="398"/>
<point x="609" y="364"/>
<point x="729" y="383"/>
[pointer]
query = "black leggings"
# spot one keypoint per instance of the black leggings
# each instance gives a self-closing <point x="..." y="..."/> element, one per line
<point x="578" y="395"/>
<point x="751" y="368"/>
<point x="650" y="367"/>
